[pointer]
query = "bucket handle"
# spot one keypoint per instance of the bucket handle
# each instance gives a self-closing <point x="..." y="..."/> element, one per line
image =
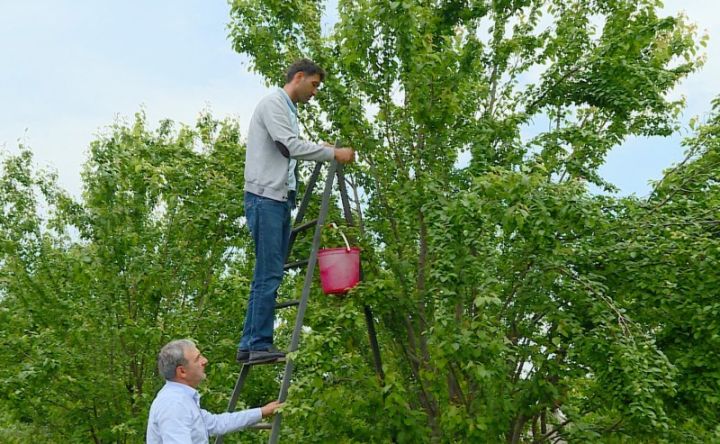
<point x="347" y="244"/>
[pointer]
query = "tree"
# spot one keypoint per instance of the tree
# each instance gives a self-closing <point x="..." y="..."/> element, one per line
<point x="669" y="245"/>
<point x="497" y="321"/>
<point x="513" y="305"/>
<point x="92" y="289"/>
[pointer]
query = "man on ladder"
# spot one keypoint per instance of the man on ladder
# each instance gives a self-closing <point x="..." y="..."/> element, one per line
<point x="273" y="147"/>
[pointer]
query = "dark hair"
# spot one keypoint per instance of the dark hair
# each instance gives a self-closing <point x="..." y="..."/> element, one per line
<point x="309" y="67"/>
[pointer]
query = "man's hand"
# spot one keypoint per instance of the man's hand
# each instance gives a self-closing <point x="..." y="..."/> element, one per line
<point x="269" y="408"/>
<point x="344" y="155"/>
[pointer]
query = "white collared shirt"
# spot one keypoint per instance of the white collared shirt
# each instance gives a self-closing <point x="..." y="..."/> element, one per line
<point x="176" y="417"/>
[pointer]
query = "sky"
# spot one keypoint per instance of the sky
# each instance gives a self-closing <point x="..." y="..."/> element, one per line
<point x="69" y="68"/>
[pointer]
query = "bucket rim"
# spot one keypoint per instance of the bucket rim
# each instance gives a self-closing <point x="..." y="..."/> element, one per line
<point x="338" y="250"/>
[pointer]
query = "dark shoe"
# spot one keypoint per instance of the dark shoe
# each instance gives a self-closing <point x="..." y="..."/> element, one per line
<point x="242" y="356"/>
<point x="269" y="355"/>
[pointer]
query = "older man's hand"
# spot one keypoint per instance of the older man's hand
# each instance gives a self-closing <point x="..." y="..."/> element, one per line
<point x="269" y="408"/>
<point x="344" y="155"/>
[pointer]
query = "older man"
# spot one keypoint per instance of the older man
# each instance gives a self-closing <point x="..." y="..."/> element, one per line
<point x="175" y="414"/>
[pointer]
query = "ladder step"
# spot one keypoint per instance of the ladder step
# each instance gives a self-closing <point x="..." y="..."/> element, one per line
<point x="261" y="426"/>
<point x="304" y="226"/>
<point x="276" y="361"/>
<point x="297" y="264"/>
<point x="285" y="304"/>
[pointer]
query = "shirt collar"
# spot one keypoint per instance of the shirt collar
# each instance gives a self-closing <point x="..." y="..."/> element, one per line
<point x="185" y="389"/>
<point x="292" y="106"/>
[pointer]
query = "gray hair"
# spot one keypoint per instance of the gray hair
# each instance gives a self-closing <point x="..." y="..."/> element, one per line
<point x="172" y="355"/>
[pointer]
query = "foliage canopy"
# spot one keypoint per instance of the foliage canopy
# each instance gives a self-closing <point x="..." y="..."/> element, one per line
<point x="512" y="304"/>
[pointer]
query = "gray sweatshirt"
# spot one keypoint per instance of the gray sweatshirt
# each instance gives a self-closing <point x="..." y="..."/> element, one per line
<point x="272" y="141"/>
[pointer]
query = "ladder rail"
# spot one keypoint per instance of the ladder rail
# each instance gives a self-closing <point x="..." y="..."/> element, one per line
<point x="347" y="212"/>
<point x="304" y="203"/>
<point x="235" y="395"/>
<point x="295" y="341"/>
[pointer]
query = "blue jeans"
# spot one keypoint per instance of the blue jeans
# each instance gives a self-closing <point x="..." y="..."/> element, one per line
<point x="269" y="224"/>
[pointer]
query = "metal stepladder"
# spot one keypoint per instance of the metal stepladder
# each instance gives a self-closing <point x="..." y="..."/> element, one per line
<point x="334" y="170"/>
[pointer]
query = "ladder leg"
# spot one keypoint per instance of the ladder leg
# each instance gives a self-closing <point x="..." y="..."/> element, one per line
<point x="235" y="394"/>
<point x="308" y="193"/>
<point x="374" y="344"/>
<point x="369" y="320"/>
<point x="304" y="205"/>
<point x="347" y="212"/>
<point x="295" y="341"/>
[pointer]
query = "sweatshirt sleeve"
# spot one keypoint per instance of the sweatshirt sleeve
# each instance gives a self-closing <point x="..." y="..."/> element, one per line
<point x="277" y="122"/>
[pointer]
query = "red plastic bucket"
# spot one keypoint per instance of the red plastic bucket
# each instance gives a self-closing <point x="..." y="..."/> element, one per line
<point x="339" y="269"/>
